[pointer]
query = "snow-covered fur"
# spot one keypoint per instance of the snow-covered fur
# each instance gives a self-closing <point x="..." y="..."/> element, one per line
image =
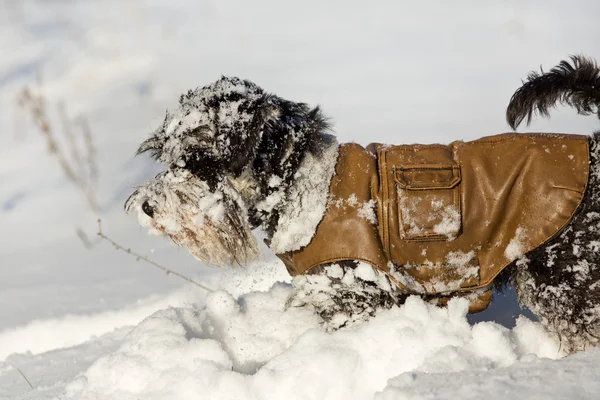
<point x="211" y="224"/>
<point x="238" y="158"/>
<point x="560" y="281"/>
<point x="345" y="293"/>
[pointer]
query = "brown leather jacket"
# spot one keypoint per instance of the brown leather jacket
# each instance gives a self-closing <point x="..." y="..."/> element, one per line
<point x="442" y="219"/>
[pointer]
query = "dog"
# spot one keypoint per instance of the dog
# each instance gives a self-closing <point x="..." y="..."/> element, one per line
<point x="360" y="229"/>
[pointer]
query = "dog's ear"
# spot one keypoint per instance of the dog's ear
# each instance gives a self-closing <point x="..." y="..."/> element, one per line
<point x="232" y="126"/>
<point x="287" y="131"/>
<point x="266" y="122"/>
<point x="244" y="144"/>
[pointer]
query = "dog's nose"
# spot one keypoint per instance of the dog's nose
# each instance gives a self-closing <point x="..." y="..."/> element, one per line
<point x="147" y="209"/>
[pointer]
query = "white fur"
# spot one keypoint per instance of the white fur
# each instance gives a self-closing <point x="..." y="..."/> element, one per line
<point x="306" y="201"/>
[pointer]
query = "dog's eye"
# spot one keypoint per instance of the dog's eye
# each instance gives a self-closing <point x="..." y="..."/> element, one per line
<point x="147" y="209"/>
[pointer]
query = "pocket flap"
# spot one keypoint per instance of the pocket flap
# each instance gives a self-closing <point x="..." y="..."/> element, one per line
<point x="427" y="176"/>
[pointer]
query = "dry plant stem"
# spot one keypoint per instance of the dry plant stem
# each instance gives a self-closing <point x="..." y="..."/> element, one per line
<point x="24" y="377"/>
<point x="83" y="237"/>
<point x="140" y="257"/>
<point x="90" y="149"/>
<point x="73" y="170"/>
<point x="71" y="140"/>
<point x="38" y="110"/>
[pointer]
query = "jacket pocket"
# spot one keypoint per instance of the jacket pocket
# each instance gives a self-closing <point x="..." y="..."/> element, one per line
<point x="428" y="201"/>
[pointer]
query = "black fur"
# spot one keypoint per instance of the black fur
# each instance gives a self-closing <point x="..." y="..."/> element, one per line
<point x="273" y="141"/>
<point x="309" y="126"/>
<point x="364" y="299"/>
<point x="560" y="281"/>
<point x="576" y="84"/>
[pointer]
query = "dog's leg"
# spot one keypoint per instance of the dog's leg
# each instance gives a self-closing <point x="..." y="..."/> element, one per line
<point x="560" y="282"/>
<point x="344" y="293"/>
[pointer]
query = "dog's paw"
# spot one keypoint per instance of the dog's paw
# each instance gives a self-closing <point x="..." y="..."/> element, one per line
<point x="343" y="296"/>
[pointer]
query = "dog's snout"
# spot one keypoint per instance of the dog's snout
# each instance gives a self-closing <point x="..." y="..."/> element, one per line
<point x="147" y="209"/>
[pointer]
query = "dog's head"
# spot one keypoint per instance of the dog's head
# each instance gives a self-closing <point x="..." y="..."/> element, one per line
<point x="210" y="223"/>
<point x="214" y="131"/>
<point x="227" y="146"/>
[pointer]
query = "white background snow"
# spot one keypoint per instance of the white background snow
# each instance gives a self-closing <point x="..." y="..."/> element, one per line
<point x="387" y="71"/>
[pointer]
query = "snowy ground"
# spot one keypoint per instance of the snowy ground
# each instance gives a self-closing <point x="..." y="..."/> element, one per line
<point x="70" y="316"/>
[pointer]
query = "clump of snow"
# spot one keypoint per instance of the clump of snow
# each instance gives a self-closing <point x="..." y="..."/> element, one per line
<point x="364" y="210"/>
<point x="456" y="269"/>
<point x="207" y="118"/>
<point x="257" y="276"/>
<point x="269" y="203"/>
<point x="344" y="295"/>
<point x="450" y="220"/>
<point x="352" y="200"/>
<point x="445" y="218"/>
<point x="515" y="247"/>
<point x="256" y="347"/>
<point x="408" y="210"/>
<point x="274" y="181"/>
<point x="334" y="271"/>
<point x="306" y="201"/>
<point x="459" y="258"/>
<point x="366" y="272"/>
<point x="367" y="211"/>
<point x="594" y="245"/>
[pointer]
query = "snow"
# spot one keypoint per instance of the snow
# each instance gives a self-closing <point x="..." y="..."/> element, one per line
<point x="442" y="218"/>
<point x="255" y="347"/>
<point x="367" y="211"/>
<point x="43" y="335"/>
<point x="391" y="72"/>
<point x="185" y="209"/>
<point x="307" y="202"/>
<point x="164" y="189"/>
<point x="459" y="269"/>
<point x="364" y="209"/>
<point x="193" y="112"/>
<point x="529" y="379"/>
<point x="450" y="221"/>
<point x="515" y="249"/>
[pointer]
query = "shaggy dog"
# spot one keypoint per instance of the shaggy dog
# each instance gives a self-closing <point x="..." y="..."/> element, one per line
<point x="237" y="158"/>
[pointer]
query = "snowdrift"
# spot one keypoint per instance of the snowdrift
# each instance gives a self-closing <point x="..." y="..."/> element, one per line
<point x="257" y="347"/>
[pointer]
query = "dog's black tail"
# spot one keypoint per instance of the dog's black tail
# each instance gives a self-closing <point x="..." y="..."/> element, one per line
<point x="575" y="83"/>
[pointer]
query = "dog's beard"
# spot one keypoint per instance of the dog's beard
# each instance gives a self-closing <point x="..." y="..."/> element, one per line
<point x="211" y="225"/>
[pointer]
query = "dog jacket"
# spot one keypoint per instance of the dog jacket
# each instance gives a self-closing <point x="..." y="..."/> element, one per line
<point x="447" y="219"/>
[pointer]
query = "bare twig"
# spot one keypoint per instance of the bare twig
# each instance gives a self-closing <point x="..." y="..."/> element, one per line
<point x="85" y="240"/>
<point x="144" y="258"/>
<point x="24" y="377"/>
